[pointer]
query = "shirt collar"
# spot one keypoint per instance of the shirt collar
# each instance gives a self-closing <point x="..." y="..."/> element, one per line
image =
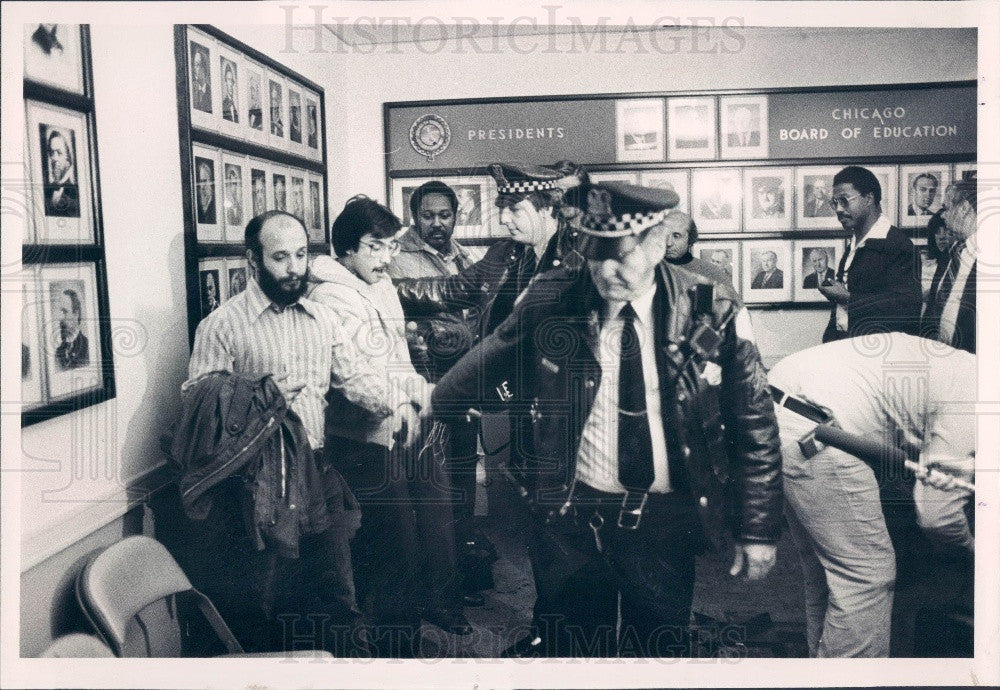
<point x="417" y="243"/>
<point x="257" y="302"/>
<point x="643" y="306"/>
<point x="878" y="231"/>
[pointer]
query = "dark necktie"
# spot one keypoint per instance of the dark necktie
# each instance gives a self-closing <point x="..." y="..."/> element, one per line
<point x="635" y="445"/>
<point x="947" y="282"/>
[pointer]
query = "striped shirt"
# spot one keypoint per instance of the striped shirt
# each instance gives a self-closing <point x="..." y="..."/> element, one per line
<point x="249" y="334"/>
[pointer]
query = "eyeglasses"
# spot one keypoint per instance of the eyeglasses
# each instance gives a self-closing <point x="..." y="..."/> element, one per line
<point x="838" y="201"/>
<point x="374" y="248"/>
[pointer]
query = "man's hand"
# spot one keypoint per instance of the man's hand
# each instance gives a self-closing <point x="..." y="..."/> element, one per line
<point x="288" y="388"/>
<point x="406" y="427"/>
<point x="836" y="292"/>
<point x="758" y="559"/>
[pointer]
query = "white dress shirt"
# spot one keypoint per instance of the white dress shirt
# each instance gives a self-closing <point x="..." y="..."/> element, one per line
<point x="597" y="462"/>
<point x="949" y="313"/>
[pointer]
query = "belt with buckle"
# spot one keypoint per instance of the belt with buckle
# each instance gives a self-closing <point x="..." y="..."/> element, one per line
<point x="633" y="503"/>
<point x="799" y="407"/>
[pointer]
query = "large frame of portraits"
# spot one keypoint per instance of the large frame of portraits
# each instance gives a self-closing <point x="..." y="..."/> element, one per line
<point x="252" y="140"/>
<point x="66" y="358"/>
<point x="744" y="163"/>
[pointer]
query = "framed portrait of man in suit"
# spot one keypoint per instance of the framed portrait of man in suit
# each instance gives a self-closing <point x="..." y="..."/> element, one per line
<point x="716" y="199"/>
<point x="296" y="144"/>
<point x="236" y="278"/>
<point x="767" y="199"/>
<point x="205" y="90"/>
<point x="60" y="162"/>
<point x="252" y="117"/>
<point x="314" y="199"/>
<point x="311" y="125"/>
<point x="206" y="174"/>
<point x="277" y="114"/>
<point x="767" y="271"/>
<point x="815" y="263"/>
<point x="691" y="128"/>
<point x="744" y="126"/>
<point x="53" y="55"/>
<point x="70" y="321"/>
<point x="231" y="81"/>
<point x="814" y="189"/>
<point x="921" y="192"/>
<point x="212" y="284"/>
<point x="639" y="125"/>
<point x="723" y="253"/>
<point x="476" y="218"/>
<point x="237" y="202"/>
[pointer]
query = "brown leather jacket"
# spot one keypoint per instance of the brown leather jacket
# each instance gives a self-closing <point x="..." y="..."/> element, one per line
<point x="541" y="362"/>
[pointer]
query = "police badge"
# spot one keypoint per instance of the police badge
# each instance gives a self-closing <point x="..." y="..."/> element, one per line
<point x="429" y="136"/>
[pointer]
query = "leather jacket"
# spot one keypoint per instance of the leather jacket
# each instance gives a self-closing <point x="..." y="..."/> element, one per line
<point x="717" y="410"/>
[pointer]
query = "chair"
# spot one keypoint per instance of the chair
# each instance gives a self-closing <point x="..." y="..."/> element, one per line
<point x="129" y="593"/>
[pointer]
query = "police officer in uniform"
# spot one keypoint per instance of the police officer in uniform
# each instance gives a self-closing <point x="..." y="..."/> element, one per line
<point x="653" y="432"/>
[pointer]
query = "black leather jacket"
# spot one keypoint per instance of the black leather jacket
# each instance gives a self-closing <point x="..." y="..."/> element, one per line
<point x="541" y="361"/>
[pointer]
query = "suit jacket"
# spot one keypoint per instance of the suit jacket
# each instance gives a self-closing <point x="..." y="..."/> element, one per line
<point x="813" y="281"/>
<point x="73" y="355"/>
<point x="753" y="138"/>
<point x="884" y="282"/>
<point x="775" y="281"/>
<point x="541" y="364"/>
<point x="964" y="337"/>
<point x="62" y="200"/>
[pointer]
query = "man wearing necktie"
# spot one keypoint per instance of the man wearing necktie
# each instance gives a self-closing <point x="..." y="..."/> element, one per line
<point x="653" y="431"/>
<point x="951" y="303"/>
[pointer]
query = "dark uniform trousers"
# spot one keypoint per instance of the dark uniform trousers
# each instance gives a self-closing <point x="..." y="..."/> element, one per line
<point x="584" y="560"/>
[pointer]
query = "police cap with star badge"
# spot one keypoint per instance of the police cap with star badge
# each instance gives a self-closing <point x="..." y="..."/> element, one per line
<point x="618" y="214"/>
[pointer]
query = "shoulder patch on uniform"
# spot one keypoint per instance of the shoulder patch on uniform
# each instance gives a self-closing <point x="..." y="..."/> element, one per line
<point x="744" y="326"/>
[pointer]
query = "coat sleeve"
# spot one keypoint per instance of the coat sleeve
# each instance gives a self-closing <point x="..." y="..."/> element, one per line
<point x="464" y="290"/>
<point x="752" y="431"/>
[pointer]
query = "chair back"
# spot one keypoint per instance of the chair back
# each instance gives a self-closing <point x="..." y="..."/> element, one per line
<point x="129" y="591"/>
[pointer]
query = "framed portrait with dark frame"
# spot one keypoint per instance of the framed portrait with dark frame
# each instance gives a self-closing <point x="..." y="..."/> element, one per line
<point x="279" y="188"/>
<point x="59" y="161"/>
<point x="296" y="137"/>
<point x="53" y="55"/>
<point x="236" y="201"/>
<point x="691" y="128"/>
<point x="723" y="253"/>
<point x="716" y="199"/>
<point x="205" y="96"/>
<point x="310" y="123"/>
<point x="767" y="271"/>
<point x="212" y="284"/>
<point x="677" y="180"/>
<point x="639" y="130"/>
<point x="767" y="199"/>
<point x="277" y="111"/>
<point x="744" y="126"/>
<point x="814" y="189"/>
<point x="206" y="173"/>
<point x="921" y="192"/>
<point x="253" y="103"/>
<point x="259" y="186"/>
<point x="815" y="263"/>
<point x="297" y="194"/>
<point x="231" y="82"/>
<point x="70" y="329"/>
<point x="315" y="227"/>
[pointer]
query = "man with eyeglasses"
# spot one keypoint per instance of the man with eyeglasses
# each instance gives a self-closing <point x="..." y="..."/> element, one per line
<point x="878" y="281"/>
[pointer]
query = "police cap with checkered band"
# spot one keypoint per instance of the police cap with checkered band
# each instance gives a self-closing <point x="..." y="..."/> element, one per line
<point x="619" y="214"/>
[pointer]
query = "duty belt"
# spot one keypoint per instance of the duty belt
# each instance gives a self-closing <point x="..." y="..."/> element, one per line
<point x="798" y="406"/>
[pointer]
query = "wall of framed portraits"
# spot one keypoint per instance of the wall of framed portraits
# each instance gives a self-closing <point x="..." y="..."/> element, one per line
<point x="252" y="137"/>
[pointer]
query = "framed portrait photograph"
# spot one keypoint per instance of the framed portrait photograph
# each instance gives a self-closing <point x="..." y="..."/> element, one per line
<point x="723" y="253"/>
<point x="252" y="117"/>
<point x="277" y="136"/>
<point x="888" y="179"/>
<point x="474" y="218"/>
<point x="296" y="143"/>
<point x="615" y="176"/>
<point x="312" y="132"/>
<point x="70" y="328"/>
<point x="231" y="81"/>
<point x="32" y="365"/>
<point x="691" y="128"/>
<point x="212" y="286"/>
<point x="259" y="187"/>
<point x="314" y="209"/>
<point x="921" y="192"/>
<point x="279" y="188"/>
<point x="964" y="171"/>
<point x="767" y="271"/>
<point x="237" y="273"/>
<point x="236" y="201"/>
<point x="814" y="188"/>
<point x="744" y="126"/>
<point x="297" y="194"/>
<point x="206" y="97"/>
<point x="59" y="155"/>
<point x="206" y="170"/>
<point x="767" y="199"/>
<point x="815" y="263"/>
<point x="677" y="180"/>
<point x="639" y="130"/>
<point x="53" y="55"/>
<point x="715" y="199"/>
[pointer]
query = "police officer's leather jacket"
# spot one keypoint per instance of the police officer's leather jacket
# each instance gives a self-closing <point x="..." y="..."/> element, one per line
<point x="718" y="414"/>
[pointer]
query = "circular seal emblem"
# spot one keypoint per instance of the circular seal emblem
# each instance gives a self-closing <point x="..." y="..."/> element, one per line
<point x="429" y="135"/>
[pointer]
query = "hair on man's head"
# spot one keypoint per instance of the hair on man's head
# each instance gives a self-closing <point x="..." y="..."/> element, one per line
<point x="362" y="216"/>
<point x="862" y="179"/>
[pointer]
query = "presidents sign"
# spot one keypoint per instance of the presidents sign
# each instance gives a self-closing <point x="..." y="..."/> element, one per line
<point x="890" y="122"/>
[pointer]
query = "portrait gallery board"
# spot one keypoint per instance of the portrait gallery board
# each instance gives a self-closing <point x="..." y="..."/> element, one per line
<point x="60" y="334"/>
<point x="791" y="198"/>
<point x="220" y="279"/>
<point x="229" y="189"/>
<point x="233" y="94"/>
